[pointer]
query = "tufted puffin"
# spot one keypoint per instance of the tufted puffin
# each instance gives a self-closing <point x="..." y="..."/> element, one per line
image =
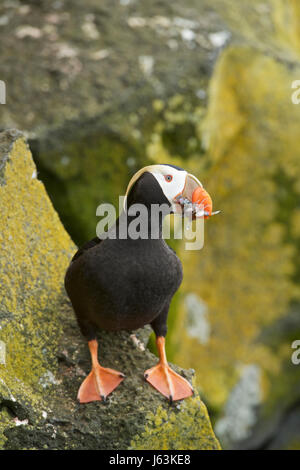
<point x="123" y="282"/>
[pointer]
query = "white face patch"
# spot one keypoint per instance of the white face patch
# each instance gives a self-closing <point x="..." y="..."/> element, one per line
<point x="171" y="180"/>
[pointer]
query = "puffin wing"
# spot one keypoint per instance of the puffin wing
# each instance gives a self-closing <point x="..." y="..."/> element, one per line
<point x="90" y="244"/>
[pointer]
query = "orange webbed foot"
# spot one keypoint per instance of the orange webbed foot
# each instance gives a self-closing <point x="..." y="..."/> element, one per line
<point x="168" y="383"/>
<point x="98" y="384"/>
<point x="164" y="379"/>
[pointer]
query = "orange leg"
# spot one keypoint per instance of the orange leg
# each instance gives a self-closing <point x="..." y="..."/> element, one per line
<point x="100" y="382"/>
<point x="164" y="379"/>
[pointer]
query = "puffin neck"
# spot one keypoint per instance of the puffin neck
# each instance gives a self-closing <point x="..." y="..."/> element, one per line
<point x="148" y="224"/>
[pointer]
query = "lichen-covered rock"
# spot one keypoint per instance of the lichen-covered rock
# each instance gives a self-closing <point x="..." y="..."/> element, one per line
<point x="271" y="26"/>
<point x="168" y="429"/>
<point x="45" y="358"/>
<point x="35" y="251"/>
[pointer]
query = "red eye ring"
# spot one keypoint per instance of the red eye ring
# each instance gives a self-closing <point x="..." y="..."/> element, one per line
<point x="168" y="178"/>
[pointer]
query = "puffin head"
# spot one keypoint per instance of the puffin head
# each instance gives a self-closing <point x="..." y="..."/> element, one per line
<point x="163" y="184"/>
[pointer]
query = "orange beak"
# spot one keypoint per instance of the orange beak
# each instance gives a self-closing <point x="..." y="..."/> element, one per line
<point x="203" y="199"/>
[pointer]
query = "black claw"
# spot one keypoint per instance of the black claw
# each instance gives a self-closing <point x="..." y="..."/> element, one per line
<point x="146" y="376"/>
<point x="103" y="398"/>
<point x="122" y="376"/>
<point x="171" y="399"/>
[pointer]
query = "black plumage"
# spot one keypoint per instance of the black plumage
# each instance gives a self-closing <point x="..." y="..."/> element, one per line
<point x="119" y="284"/>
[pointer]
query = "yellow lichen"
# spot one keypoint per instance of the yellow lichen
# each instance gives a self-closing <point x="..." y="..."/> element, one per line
<point x="189" y="429"/>
<point x="286" y="15"/>
<point x="35" y="251"/>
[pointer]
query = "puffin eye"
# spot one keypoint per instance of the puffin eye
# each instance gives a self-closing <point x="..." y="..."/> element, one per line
<point x="168" y="178"/>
